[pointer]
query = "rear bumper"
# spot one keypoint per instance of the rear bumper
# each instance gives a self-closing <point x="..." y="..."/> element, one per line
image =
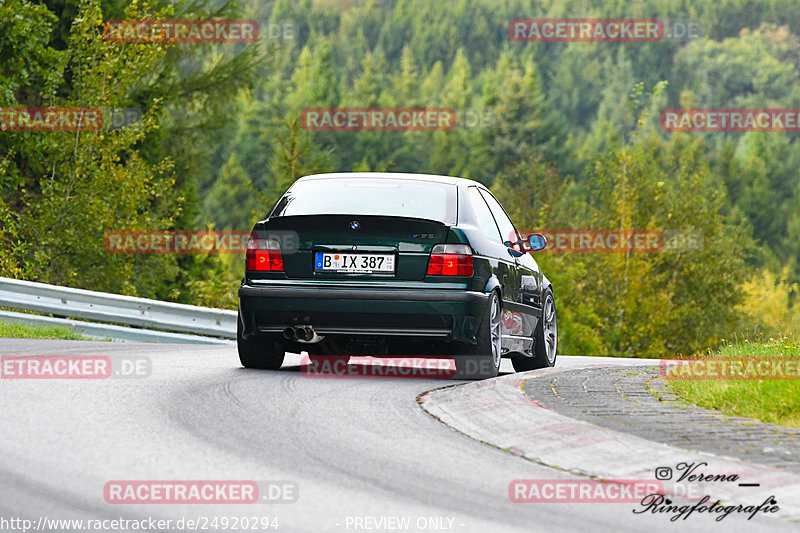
<point x="445" y="314"/>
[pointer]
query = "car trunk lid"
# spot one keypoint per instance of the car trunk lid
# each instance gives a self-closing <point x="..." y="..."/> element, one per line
<point x="405" y="242"/>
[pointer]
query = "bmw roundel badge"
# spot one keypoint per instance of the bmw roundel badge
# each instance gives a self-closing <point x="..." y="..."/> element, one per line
<point x="354" y="225"/>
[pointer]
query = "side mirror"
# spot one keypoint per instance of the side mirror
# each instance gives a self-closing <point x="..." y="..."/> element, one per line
<point x="514" y="249"/>
<point x="537" y="242"/>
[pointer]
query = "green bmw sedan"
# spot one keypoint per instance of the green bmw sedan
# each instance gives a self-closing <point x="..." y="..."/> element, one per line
<point x="383" y="264"/>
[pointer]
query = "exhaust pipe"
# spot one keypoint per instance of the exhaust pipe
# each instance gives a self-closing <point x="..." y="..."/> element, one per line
<point x="305" y="334"/>
<point x="301" y="333"/>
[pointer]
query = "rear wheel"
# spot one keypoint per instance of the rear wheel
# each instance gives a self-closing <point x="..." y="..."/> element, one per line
<point x="482" y="360"/>
<point x="260" y="352"/>
<point x="545" y="338"/>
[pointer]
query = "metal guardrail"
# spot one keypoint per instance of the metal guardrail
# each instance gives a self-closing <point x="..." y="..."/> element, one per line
<point x="110" y="331"/>
<point x="117" y="309"/>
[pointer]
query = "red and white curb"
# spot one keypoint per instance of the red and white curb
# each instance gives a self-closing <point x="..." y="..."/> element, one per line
<point x="499" y="413"/>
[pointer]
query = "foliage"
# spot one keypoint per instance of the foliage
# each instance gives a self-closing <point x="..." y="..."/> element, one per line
<point x="770" y="305"/>
<point x="566" y="134"/>
<point x="25" y="331"/>
<point x="772" y="401"/>
<point x="60" y="192"/>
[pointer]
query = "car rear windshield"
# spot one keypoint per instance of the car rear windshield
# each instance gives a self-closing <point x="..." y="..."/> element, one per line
<point x="368" y="196"/>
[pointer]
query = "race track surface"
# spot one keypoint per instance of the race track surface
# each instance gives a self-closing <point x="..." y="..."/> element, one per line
<point x="360" y="452"/>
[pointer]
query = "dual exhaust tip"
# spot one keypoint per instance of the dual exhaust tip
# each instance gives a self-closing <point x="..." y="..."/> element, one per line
<point x="301" y="334"/>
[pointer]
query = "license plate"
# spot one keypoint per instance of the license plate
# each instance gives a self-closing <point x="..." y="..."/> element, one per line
<point x="357" y="263"/>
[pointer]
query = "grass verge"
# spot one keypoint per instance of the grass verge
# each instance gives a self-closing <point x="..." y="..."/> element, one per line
<point x="27" y="331"/>
<point x="776" y="401"/>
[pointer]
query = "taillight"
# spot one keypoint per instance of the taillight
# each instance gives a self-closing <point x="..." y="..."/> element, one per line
<point x="263" y="255"/>
<point x="450" y="260"/>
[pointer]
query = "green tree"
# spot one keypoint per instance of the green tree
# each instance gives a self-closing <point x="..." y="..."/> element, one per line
<point x="233" y="202"/>
<point x="294" y="157"/>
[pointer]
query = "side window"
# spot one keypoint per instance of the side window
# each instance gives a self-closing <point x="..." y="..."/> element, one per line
<point x="507" y="229"/>
<point x="483" y="216"/>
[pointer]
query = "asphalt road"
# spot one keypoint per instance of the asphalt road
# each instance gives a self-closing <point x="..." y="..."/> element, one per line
<point x="359" y="451"/>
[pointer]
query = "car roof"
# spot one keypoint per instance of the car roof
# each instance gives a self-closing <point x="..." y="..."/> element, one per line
<point x="391" y="175"/>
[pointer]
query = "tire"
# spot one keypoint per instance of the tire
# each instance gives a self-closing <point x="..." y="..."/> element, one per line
<point x="261" y="352"/>
<point x="482" y="360"/>
<point x="545" y="338"/>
